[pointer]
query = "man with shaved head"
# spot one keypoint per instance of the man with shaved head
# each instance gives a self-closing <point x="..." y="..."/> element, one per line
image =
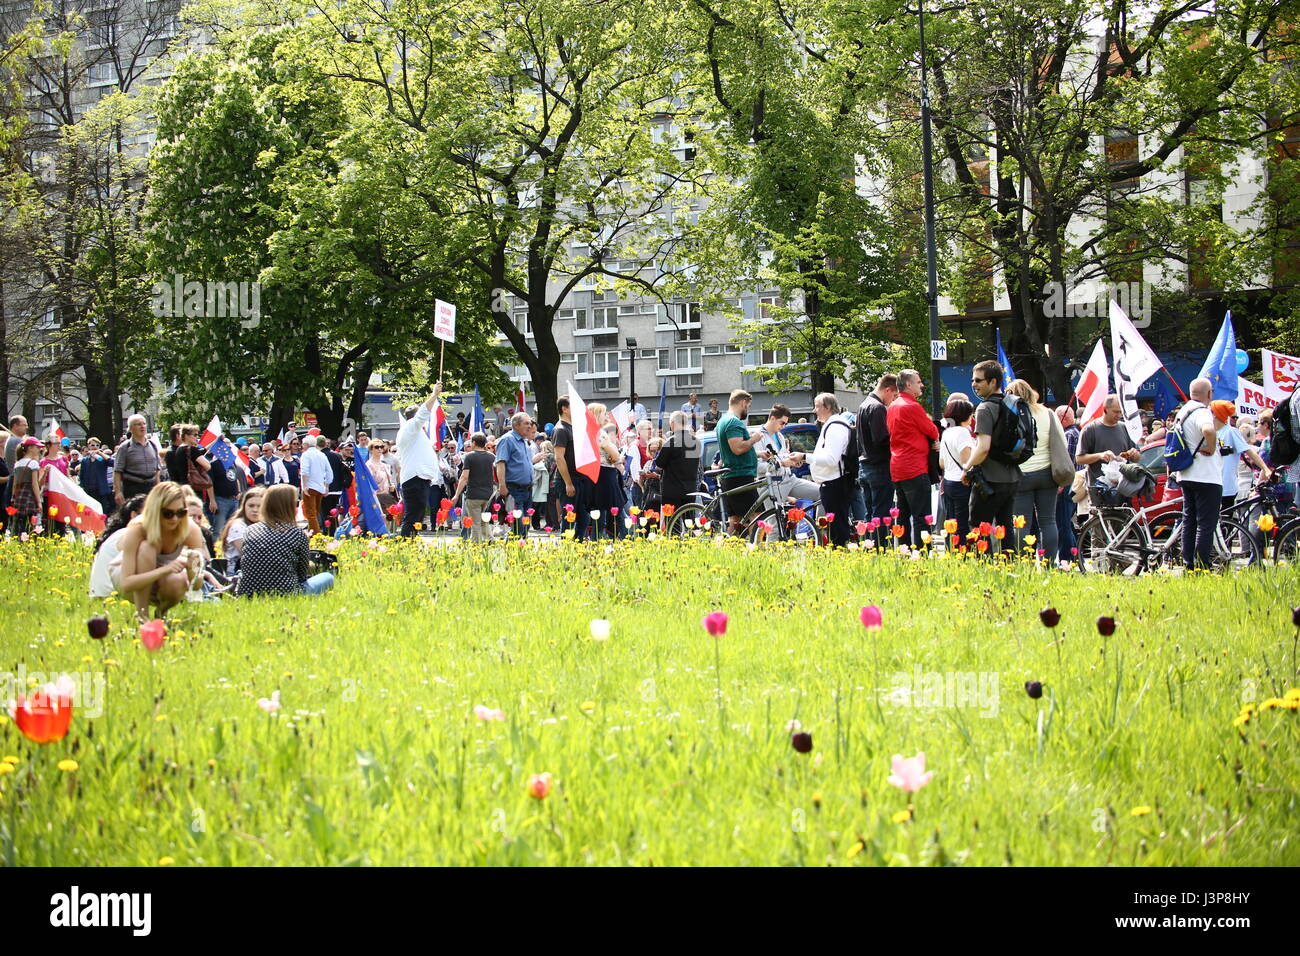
<point x="1201" y="481"/>
<point x="1104" y="440"/>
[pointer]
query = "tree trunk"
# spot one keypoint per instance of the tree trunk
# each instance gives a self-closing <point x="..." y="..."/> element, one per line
<point x="101" y="404"/>
<point x="4" y="357"/>
<point x="279" y="415"/>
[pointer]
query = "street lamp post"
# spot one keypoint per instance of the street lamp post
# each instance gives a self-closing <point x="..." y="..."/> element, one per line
<point x="931" y="267"/>
<point x="631" y="366"/>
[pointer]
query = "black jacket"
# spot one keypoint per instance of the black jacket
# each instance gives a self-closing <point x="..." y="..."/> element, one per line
<point x="873" y="431"/>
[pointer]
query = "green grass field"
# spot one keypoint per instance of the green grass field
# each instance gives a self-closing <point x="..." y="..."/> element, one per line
<point x="667" y="746"/>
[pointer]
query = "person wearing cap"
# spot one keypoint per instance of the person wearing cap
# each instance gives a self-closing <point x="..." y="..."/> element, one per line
<point x="1233" y="447"/>
<point x="93" y="474"/>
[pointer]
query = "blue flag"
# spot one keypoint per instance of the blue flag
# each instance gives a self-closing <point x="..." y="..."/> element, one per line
<point x="663" y="402"/>
<point x="372" y="516"/>
<point x="1166" y="397"/>
<point x="1221" y="364"/>
<point x="221" y="450"/>
<point x="476" y="415"/>
<point x="1004" y="361"/>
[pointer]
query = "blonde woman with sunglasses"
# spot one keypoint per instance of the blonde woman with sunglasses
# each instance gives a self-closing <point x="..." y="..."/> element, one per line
<point x="155" y="569"/>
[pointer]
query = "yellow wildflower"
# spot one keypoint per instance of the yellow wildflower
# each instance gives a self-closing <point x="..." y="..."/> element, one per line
<point x="854" y="850"/>
<point x="67" y="766"/>
<point x="1139" y="811"/>
<point x="902" y="816"/>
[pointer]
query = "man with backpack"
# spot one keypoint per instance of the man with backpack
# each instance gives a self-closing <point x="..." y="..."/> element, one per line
<point x="1192" y="450"/>
<point x="911" y="436"/>
<point x="992" y="470"/>
<point x="834" y="464"/>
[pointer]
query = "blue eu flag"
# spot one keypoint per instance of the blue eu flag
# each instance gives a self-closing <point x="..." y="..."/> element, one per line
<point x="1221" y="364"/>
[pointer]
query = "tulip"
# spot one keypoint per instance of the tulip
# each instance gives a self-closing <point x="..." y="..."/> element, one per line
<point x="614" y="512"/>
<point x="929" y="519"/>
<point x="11" y="511"/>
<point x="871" y="617"/>
<point x="570" y="517"/>
<point x="488" y="713"/>
<point x="985" y="528"/>
<point x="955" y="541"/>
<point x="950" y="526"/>
<point x="888" y="521"/>
<point x="1295" y="616"/>
<point x="667" y="510"/>
<point x="539" y="786"/>
<point x="1266" y="523"/>
<point x="981" y="545"/>
<point x="46" y="716"/>
<point x="595" y="514"/>
<point x="568" y="508"/>
<point x="334" y="512"/>
<point x="270" y="705"/>
<point x="909" y="775"/>
<point x="801" y="742"/>
<point x="54" y="511"/>
<point x="1034" y="689"/>
<point x="716" y="623"/>
<point x="1018" y="521"/>
<point x="517" y="513"/>
<point x="153" y="634"/>
<point x="861" y="529"/>
<point x="898" y="531"/>
<point x="98" y="627"/>
<point x="530" y="512"/>
<point x="794" y="514"/>
<point x="893" y="512"/>
<point x="1031" y="540"/>
<point x="999" y="532"/>
<point x="1105" y="626"/>
<point x="599" y="629"/>
<point x="1050" y="616"/>
<point x="468" y="521"/>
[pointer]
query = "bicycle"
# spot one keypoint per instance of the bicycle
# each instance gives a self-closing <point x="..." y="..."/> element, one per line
<point x="1118" y="540"/>
<point x="709" y="509"/>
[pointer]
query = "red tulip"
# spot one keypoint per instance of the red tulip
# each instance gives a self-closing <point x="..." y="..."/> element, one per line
<point x="872" y="617"/>
<point x="11" y="511"/>
<point x="45" y="716"/>
<point x="985" y="528"/>
<point x="539" y="786"/>
<point x="716" y="623"/>
<point x="153" y="634"/>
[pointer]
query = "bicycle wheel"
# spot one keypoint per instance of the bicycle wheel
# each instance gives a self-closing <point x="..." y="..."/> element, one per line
<point x="687" y="518"/>
<point x="1235" y="547"/>
<point x="1109" y="544"/>
<point x="1287" y="546"/>
<point x="1166" y="534"/>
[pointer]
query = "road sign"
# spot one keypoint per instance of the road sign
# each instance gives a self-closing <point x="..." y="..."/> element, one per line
<point x="444" y="321"/>
<point x="938" y="350"/>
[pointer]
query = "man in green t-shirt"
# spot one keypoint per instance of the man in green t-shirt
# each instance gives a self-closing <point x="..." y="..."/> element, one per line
<point x="736" y="448"/>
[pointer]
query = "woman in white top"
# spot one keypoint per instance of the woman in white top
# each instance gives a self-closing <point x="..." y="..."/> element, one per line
<point x="955" y="446"/>
<point x="233" y="534"/>
<point x="109" y="547"/>
<point x="1037" y="491"/>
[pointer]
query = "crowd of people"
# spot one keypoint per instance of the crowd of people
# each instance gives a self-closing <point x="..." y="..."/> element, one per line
<point x="172" y="510"/>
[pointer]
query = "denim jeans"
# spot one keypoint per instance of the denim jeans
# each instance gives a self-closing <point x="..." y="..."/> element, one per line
<point x="226" y="508"/>
<point x="1066" y="541"/>
<point x="1036" y="498"/>
<point x="318" y="583"/>
<point x="523" y="500"/>
<point x="1200" y="522"/>
<point x="877" y="493"/>
<point x="914" y="505"/>
<point x="415" y="503"/>
<point x="583" y="496"/>
<point x="996" y="509"/>
<point x="956" y="505"/>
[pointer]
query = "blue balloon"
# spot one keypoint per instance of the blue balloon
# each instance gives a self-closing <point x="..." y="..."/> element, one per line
<point x="1243" y="360"/>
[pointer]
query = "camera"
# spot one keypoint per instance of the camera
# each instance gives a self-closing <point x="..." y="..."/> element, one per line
<point x="979" y="483"/>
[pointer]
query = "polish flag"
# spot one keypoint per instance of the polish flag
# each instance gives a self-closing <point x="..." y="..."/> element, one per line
<point x="437" y="425"/>
<point x="74" y="507"/>
<point x="519" y="399"/>
<point x="586" y="440"/>
<point x="211" y="433"/>
<point x="56" y="430"/>
<point x="1091" y="391"/>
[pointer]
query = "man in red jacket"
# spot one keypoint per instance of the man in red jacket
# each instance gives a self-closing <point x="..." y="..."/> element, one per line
<point x="911" y="436"/>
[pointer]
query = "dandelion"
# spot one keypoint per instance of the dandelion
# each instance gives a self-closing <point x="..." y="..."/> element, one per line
<point x="1139" y="811"/>
<point x="166" y="861"/>
<point x="902" y="816"/>
<point x="854" y="850"/>
<point x="67" y="766"/>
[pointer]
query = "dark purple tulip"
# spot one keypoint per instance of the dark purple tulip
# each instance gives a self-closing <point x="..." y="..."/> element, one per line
<point x="1295" y="616"/>
<point x="1050" y="616"/>
<point x="1105" y="626"/>
<point x="801" y="742"/>
<point x="98" y="627"/>
<point x="1034" y="689"/>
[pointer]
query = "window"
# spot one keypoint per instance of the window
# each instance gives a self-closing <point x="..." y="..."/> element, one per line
<point x="607" y="384"/>
<point x="578" y="315"/>
<point x="604" y="341"/>
<point x="101" y="74"/>
<point x="764" y="311"/>
<point x="628" y="309"/>
<point x="687" y="382"/>
<point x="760" y="358"/>
<point x="681" y="313"/>
<point x="649" y="353"/>
<point x="690" y="359"/>
<point x="663" y="360"/>
<point x="713" y="349"/>
<point x="604" y="362"/>
<point x="601" y="319"/>
<point x="584" y="363"/>
<point x="568" y="357"/>
<point x="524" y="324"/>
<point x="688" y="334"/>
<point x="103" y="28"/>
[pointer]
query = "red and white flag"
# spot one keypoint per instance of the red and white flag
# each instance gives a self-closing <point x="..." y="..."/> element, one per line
<point x="56" y="430"/>
<point x="586" y="436"/>
<point x="70" y="503"/>
<point x="1091" y="391"/>
<point x="1281" y="374"/>
<point x="211" y="433"/>
<point x="519" y="399"/>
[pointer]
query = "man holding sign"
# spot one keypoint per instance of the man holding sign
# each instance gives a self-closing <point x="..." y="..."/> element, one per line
<point x="419" y="466"/>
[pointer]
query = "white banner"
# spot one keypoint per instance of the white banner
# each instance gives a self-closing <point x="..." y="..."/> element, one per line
<point x="444" y="320"/>
<point x="1251" y="398"/>
<point x="1134" y="364"/>
<point x="1281" y="374"/>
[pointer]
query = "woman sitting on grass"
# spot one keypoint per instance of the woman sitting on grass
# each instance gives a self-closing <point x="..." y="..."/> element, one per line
<point x="109" y="546"/>
<point x="275" y="553"/>
<point x="155" y="570"/>
<point x="236" y="529"/>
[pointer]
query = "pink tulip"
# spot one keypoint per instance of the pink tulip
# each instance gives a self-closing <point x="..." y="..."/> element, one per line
<point x="488" y="713"/>
<point x="888" y="522"/>
<point x="568" y="507"/>
<point x="153" y="634"/>
<point x="270" y="705"/>
<point x="861" y="528"/>
<point x="929" y="519"/>
<point x="872" y="617"/>
<point x="614" y="512"/>
<point x="893" y="512"/>
<point x="530" y="512"/>
<point x="910" y="775"/>
<point x="716" y="623"/>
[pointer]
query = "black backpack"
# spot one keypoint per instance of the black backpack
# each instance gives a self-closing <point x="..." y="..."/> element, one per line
<point x="849" y="460"/>
<point x="1014" y="433"/>
<point x="1284" y="448"/>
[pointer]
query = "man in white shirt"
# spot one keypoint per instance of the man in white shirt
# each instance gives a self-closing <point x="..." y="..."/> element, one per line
<point x="315" y="474"/>
<point x="775" y="460"/>
<point x="418" y="463"/>
<point x="694" y="412"/>
<point x="637" y="410"/>
<point x="1202" y="481"/>
<point x="827" y="465"/>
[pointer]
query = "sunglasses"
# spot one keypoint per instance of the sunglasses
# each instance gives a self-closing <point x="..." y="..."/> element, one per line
<point x="169" y="513"/>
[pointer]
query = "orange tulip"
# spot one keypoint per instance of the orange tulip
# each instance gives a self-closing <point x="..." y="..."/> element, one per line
<point x="45" y="716"/>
